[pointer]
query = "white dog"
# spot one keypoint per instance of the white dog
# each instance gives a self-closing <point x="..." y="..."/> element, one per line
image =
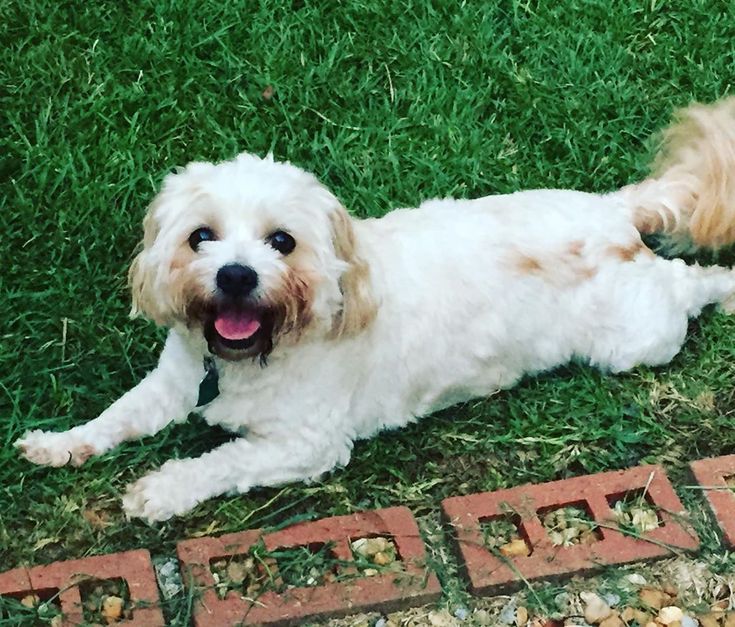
<point x="317" y="329"/>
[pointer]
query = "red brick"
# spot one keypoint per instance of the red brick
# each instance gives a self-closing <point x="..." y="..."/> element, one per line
<point x="387" y="591"/>
<point x="712" y="474"/>
<point x="62" y="579"/>
<point x="490" y="573"/>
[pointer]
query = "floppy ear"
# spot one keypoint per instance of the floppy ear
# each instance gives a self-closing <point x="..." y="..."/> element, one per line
<point x="358" y="304"/>
<point x="140" y="275"/>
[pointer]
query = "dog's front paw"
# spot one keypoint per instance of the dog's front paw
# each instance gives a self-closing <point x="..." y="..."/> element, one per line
<point x="159" y="495"/>
<point x="53" y="449"/>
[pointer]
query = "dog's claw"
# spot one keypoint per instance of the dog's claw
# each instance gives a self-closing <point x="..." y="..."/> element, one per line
<point x="53" y="449"/>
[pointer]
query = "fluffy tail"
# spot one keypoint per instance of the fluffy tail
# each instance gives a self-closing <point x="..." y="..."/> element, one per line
<point x="690" y="196"/>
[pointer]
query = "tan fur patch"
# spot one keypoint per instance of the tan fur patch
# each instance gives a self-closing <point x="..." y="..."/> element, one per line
<point x="528" y="265"/>
<point x="139" y="278"/>
<point x="648" y="223"/>
<point x="359" y="308"/>
<point x="567" y="267"/>
<point x="182" y="257"/>
<point x="626" y="253"/>
<point x="188" y="294"/>
<point x="575" y="248"/>
<point x="294" y="300"/>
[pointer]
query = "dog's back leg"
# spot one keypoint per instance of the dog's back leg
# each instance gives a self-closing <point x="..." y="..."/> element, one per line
<point x="642" y="310"/>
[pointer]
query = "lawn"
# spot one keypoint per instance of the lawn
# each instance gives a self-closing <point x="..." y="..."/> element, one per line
<point x="388" y="103"/>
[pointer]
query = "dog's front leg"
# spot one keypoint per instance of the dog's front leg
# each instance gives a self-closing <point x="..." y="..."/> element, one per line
<point x="167" y="394"/>
<point x="179" y="485"/>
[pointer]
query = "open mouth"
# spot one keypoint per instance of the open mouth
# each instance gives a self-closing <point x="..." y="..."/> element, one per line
<point x="234" y="329"/>
<point x="237" y="328"/>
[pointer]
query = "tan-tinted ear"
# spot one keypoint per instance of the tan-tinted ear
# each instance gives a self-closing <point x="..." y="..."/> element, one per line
<point x="140" y="277"/>
<point x="358" y="305"/>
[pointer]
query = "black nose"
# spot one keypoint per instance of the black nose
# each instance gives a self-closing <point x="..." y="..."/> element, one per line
<point x="236" y="280"/>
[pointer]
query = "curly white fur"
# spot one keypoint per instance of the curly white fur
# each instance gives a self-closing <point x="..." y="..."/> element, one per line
<point x="385" y="320"/>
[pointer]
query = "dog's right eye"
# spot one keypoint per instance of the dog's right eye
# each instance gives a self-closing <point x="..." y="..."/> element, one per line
<point x="203" y="234"/>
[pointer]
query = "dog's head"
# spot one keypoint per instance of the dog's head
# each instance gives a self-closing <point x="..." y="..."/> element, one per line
<point x="252" y="254"/>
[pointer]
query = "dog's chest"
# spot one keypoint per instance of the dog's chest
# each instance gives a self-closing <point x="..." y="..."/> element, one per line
<point x="261" y="400"/>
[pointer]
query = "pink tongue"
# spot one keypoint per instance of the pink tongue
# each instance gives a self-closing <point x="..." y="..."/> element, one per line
<point x="236" y="326"/>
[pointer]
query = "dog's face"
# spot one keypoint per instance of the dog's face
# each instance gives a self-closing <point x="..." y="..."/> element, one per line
<point x="250" y="253"/>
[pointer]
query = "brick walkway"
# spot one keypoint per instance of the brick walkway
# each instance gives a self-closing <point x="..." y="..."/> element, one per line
<point x="353" y="589"/>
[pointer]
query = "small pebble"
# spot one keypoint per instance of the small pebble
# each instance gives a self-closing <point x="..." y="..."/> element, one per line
<point x="30" y="600"/>
<point x="563" y="602"/>
<point x="669" y="614"/>
<point x="596" y="610"/>
<point x="654" y="598"/>
<point x="641" y="617"/>
<point x="521" y="616"/>
<point x="482" y="618"/>
<point x="636" y="579"/>
<point x="169" y="577"/>
<point x="381" y="559"/>
<point x="709" y="620"/>
<point x="441" y="618"/>
<point x="670" y="589"/>
<point x="395" y="617"/>
<point x="508" y="614"/>
<point x="359" y="546"/>
<point x="368" y="547"/>
<point x="515" y="548"/>
<point x="611" y="599"/>
<point x="628" y="614"/>
<point x="461" y="613"/>
<point x="381" y="622"/>
<point x="612" y="621"/>
<point x="688" y="621"/>
<point x="112" y="608"/>
<point x="236" y="572"/>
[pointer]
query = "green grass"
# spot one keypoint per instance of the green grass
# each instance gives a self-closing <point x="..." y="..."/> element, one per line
<point x="389" y="104"/>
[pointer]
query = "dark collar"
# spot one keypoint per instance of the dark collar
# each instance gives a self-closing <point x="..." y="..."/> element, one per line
<point x="209" y="385"/>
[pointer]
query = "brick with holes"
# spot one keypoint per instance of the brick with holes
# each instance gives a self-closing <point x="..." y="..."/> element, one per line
<point x="62" y="584"/>
<point x="716" y="476"/>
<point x="532" y="554"/>
<point x="349" y="586"/>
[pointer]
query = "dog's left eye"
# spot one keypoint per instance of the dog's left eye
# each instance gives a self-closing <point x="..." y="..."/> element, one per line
<point x="282" y="242"/>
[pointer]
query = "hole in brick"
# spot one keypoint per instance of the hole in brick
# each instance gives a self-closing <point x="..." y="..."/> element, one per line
<point x="248" y="573"/>
<point x="506" y="535"/>
<point x="570" y="524"/>
<point x="307" y="565"/>
<point x="634" y="511"/>
<point x="375" y="554"/>
<point x="105" y="601"/>
<point x="730" y="481"/>
<point x="41" y="604"/>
